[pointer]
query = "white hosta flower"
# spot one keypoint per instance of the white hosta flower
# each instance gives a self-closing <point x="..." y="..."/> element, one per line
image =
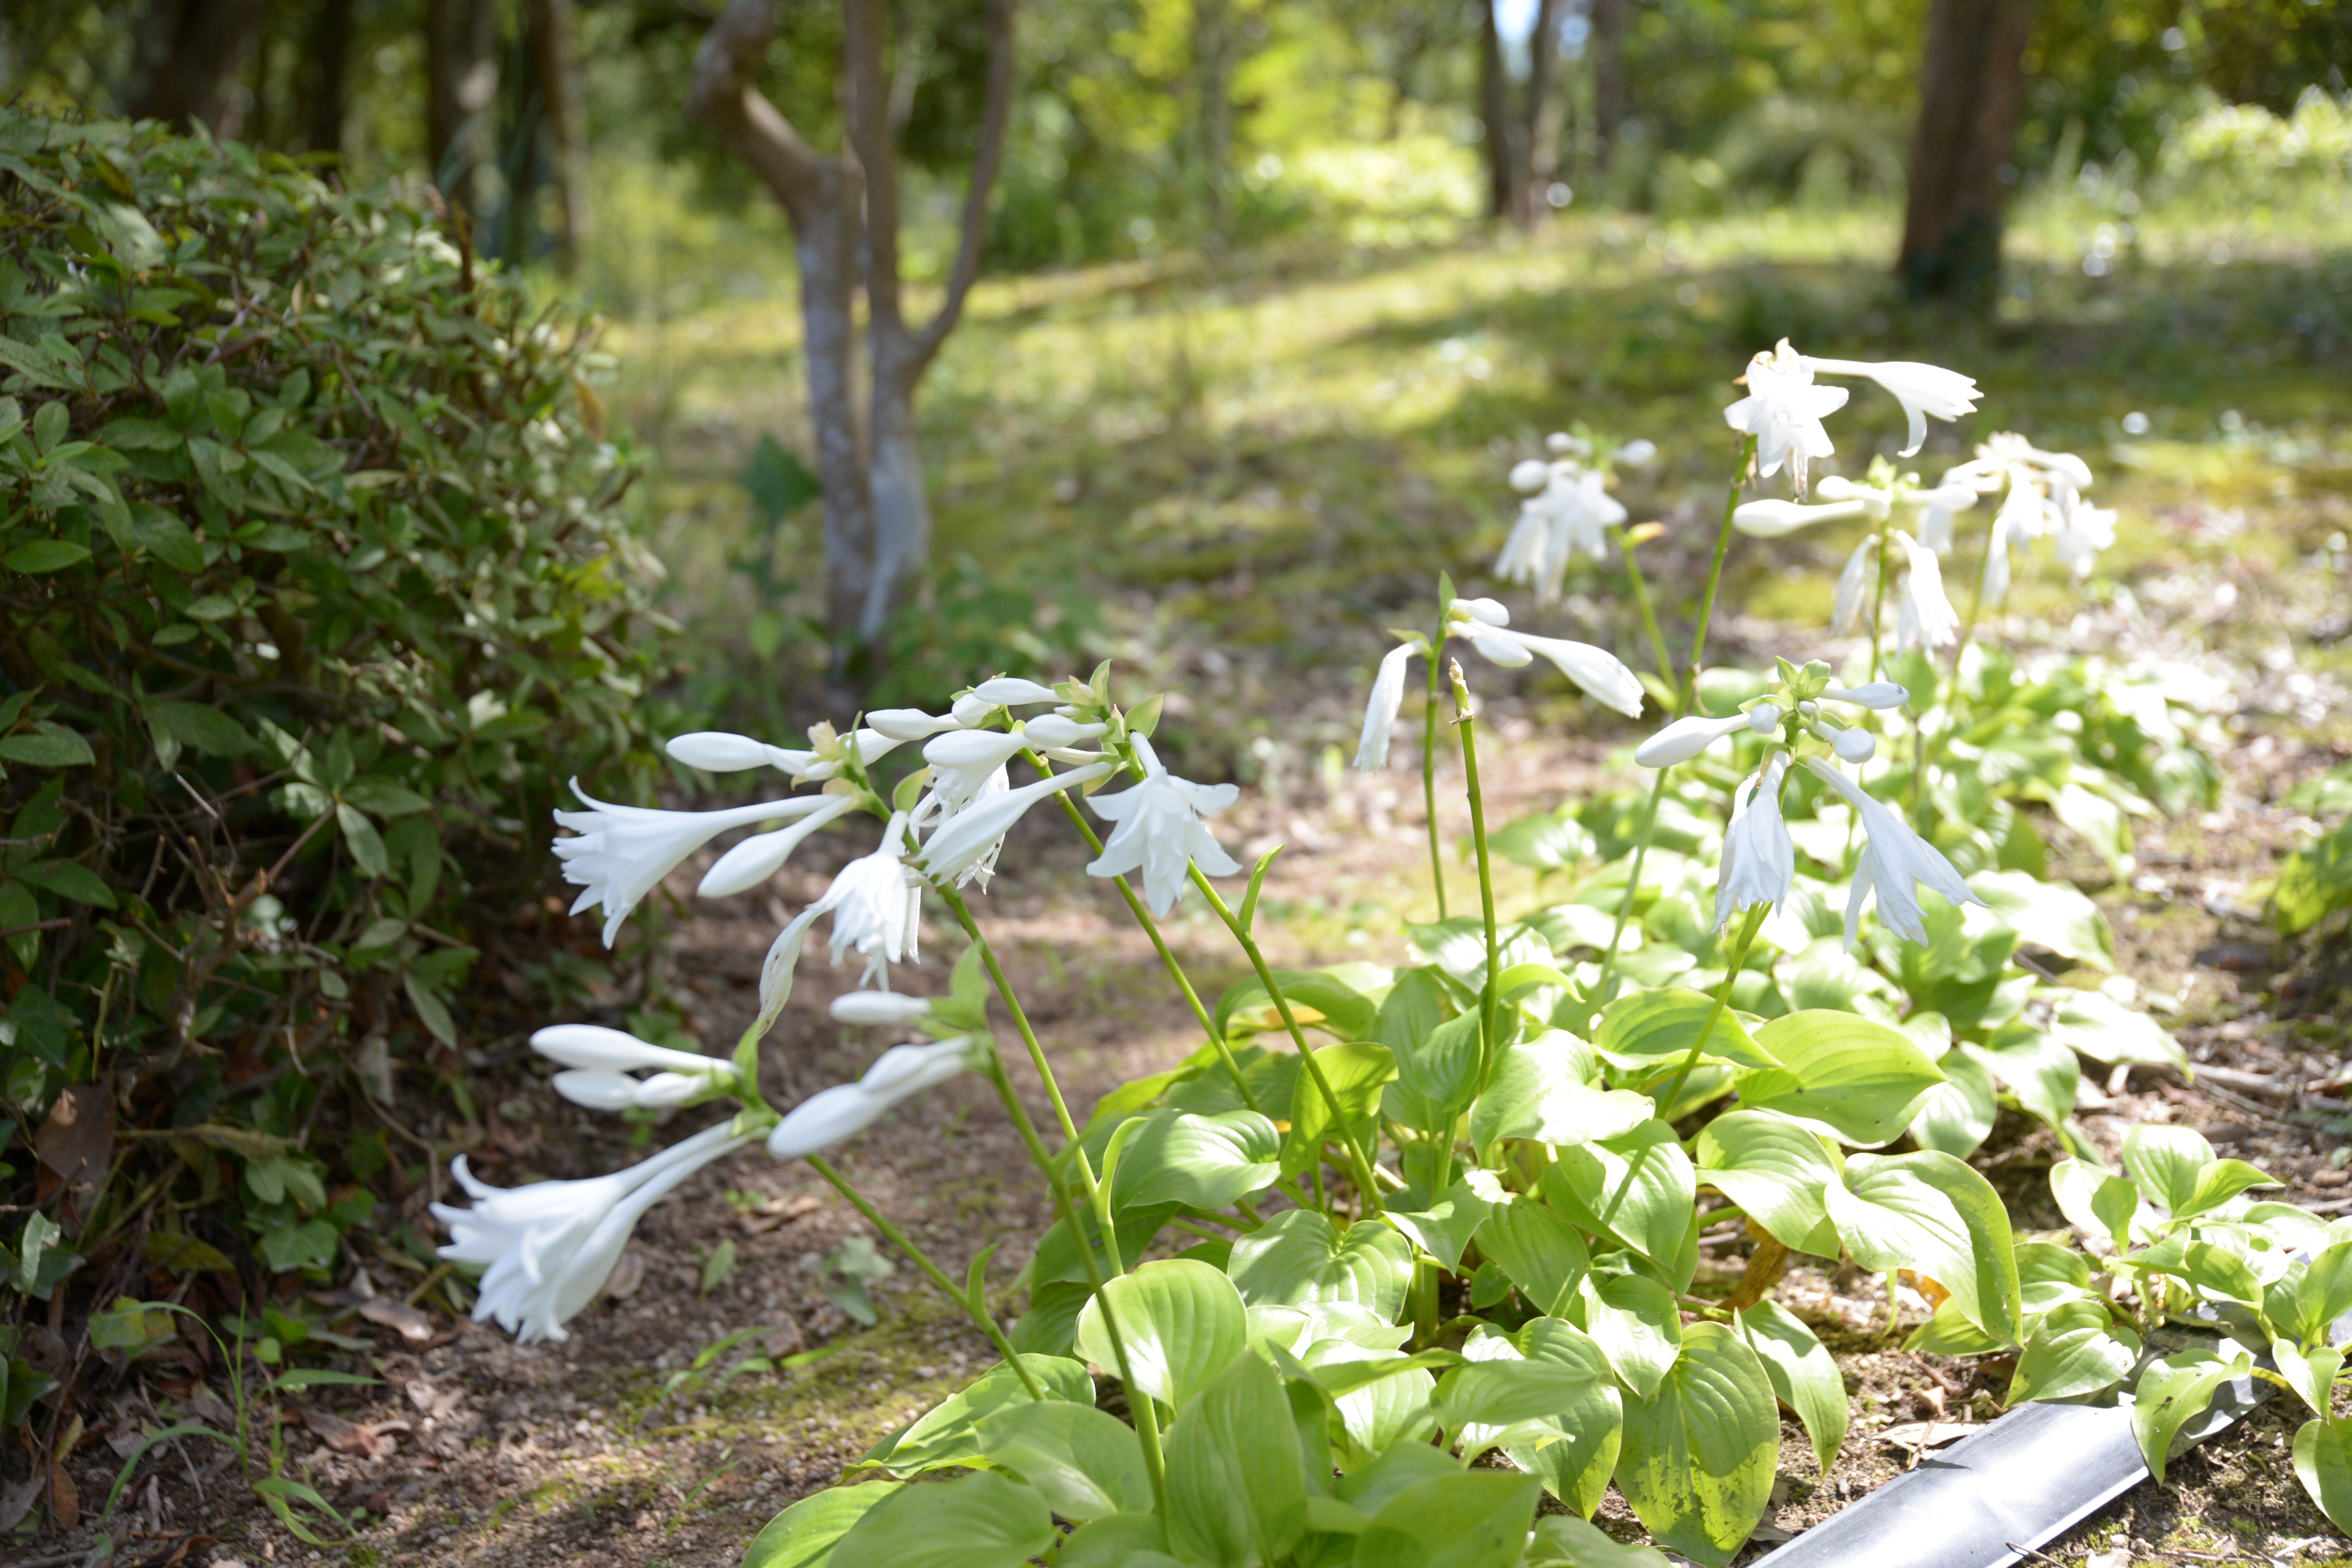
<point x="2083" y="532"/>
<point x="550" y="1246"/>
<point x="1878" y="694"/>
<point x="1854" y="587"/>
<point x="621" y="852"/>
<point x="1923" y="390"/>
<point x="909" y="723"/>
<point x="1485" y="625"/>
<point x="1760" y="859"/>
<point x="831" y="1115"/>
<point x="600" y="1061"/>
<point x="877" y="906"/>
<point x="1004" y="691"/>
<point x="1893" y="858"/>
<point x="1925" y="619"/>
<point x="1686" y="738"/>
<point x="972" y="835"/>
<point x="1956" y="492"/>
<point x="1570" y="516"/>
<point x="1636" y="454"/>
<point x="1380" y="709"/>
<point x="717" y="752"/>
<point x="762" y="855"/>
<point x="1771" y="518"/>
<point x="1160" y="830"/>
<point x="968" y="761"/>
<point x="1783" y="410"/>
<point x="883" y="1009"/>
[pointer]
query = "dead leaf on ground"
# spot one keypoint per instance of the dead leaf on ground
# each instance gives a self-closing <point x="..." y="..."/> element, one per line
<point x="77" y="1138"/>
<point x="343" y="1436"/>
<point x="777" y="1213"/>
<point x="409" y="1323"/>
<point x="17" y="1502"/>
<point x="626" y="1276"/>
<point x="1917" y="1434"/>
<point x="2120" y="1557"/>
<point x="64" y="1501"/>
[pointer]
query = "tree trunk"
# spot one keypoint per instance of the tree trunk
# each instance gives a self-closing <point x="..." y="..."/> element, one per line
<point x="326" y="76"/>
<point x="560" y="136"/>
<point x="1543" y="116"/>
<point x="1972" y="81"/>
<point x="1607" y="80"/>
<point x="1212" y="60"/>
<point x="461" y="75"/>
<point x="190" y="54"/>
<point x="1504" y="136"/>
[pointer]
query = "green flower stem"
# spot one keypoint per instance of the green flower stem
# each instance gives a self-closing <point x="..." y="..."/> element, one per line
<point x="1748" y="926"/>
<point x="1429" y="773"/>
<point x="1687" y="703"/>
<point x="1143" y="917"/>
<point x="1636" y="585"/>
<point x="1878" y="596"/>
<point x="976" y="1306"/>
<point x="1140" y="1404"/>
<point x="1013" y="1005"/>
<point x="1490" y="1000"/>
<point x="1365" y="1183"/>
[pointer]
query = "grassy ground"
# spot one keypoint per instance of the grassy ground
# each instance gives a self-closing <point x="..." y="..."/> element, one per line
<point x="1233" y="483"/>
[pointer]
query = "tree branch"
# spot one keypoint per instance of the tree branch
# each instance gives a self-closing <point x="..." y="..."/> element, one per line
<point x="724" y="94"/>
<point x="873" y="138"/>
<point x="996" y="113"/>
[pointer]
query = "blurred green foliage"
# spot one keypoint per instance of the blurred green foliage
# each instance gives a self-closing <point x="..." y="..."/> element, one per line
<point x="315" y="585"/>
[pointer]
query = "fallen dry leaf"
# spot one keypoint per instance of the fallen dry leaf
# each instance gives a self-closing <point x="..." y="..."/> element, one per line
<point x="409" y="1323"/>
<point x="626" y="1276"/>
<point x="2118" y="1557"/>
<point x="1928" y="1434"/>
<point x="343" y="1436"/>
<point x="64" y="1501"/>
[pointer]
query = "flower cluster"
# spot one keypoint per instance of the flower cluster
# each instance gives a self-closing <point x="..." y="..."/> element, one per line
<point x="2041" y="498"/>
<point x="1485" y="625"/>
<point x="1567" y="510"/>
<point x="1758" y="859"/>
<point x="1925" y="619"/>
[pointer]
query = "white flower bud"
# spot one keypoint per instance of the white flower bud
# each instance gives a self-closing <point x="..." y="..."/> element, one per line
<point x="1879" y="694"/>
<point x="714" y="751"/>
<point x="1529" y="477"/>
<point x="880" y="1009"/>
<point x="1012" y="691"/>
<point x="1637" y="454"/>
<point x="1854" y="745"/>
<point x="1764" y="718"/>
<point x="1489" y="611"/>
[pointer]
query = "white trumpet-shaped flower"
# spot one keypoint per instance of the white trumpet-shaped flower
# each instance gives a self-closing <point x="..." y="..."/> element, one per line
<point x="1877" y="694"/>
<point x="1771" y="518"/>
<point x="1686" y="738"/>
<point x="1380" y="709"/>
<point x="969" y="838"/>
<point x="909" y="723"/>
<point x="1760" y="859"/>
<point x="550" y="1246"/>
<point x="876" y="902"/>
<point x="2083" y="531"/>
<point x="599" y="1062"/>
<point x="621" y="852"/>
<point x="884" y="1009"/>
<point x="832" y="1115"/>
<point x="1160" y="830"/>
<point x="1924" y="620"/>
<point x="1784" y="410"/>
<point x="762" y="855"/>
<point x="1924" y="391"/>
<point x="1484" y="624"/>
<point x="1896" y="861"/>
<point x="1570" y="515"/>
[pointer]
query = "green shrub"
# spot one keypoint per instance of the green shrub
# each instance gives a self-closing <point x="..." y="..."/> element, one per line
<point x="314" y="586"/>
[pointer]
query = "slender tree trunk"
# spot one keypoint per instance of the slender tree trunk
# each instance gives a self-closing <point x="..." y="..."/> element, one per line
<point x="1402" y="67"/>
<point x="326" y="76"/>
<point x="1972" y="81"/>
<point x="461" y="73"/>
<point x="190" y="55"/>
<point x="1607" y="80"/>
<point x="553" y="74"/>
<point x="1494" y="118"/>
<point x="1212" y="60"/>
<point x="1543" y="116"/>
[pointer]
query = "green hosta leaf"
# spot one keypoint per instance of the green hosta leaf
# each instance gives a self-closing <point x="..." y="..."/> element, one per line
<point x="1567" y="1542"/>
<point x="1538" y="1251"/>
<point x="1181" y="1321"/>
<point x="1445" y="1227"/>
<point x="1634" y="1320"/>
<point x="2166" y="1162"/>
<point x="1777" y="1171"/>
<point x="1437" y="1076"/>
<point x="1947" y="1332"/>
<point x="1699" y="1453"/>
<point x="2220" y="1182"/>
<point x="1236" y="1486"/>
<point x="2049" y="1275"/>
<point x="1318" y="1000"/>
<point x="1083" y="1462"/>
<point x="1382" y="1394"/>
<point x="1356" y="1072"/>
<point x="1300" y="1258"/>
<point x="2311" y="1373"/>
<point x="1932" y="1213"/>
<point x="2076" y="1349"/>
<point x="1118" y="1541"/>
<point x="1804" y="1377"/>
<point x="803" y="1534"/>
<point x="1639" y="1188"/>
<point x="2045" y="914"/>
<point x="2323" y="1463"/>
<point x="1206" y="1161"/>
<point x="1576" y="1451"/>
<point x="1475" y="1403"/>
<point x="1539" y="1091"/>
<point x="1657" y="1028"/>
<point x="2173" y="1392"/>
<point x="1842" y="1075"/>
<point x="2325" y="1292"/>
<point x="2036" y="1067"/>
<point x="1473" y="1518"/>
<point x="2096" y="1202"/>
<point x="1957" y="1115"/>
<point x="943" y="1435"/>
<point x="2105" y="1030"/>
<point x="983" y="1520"/>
